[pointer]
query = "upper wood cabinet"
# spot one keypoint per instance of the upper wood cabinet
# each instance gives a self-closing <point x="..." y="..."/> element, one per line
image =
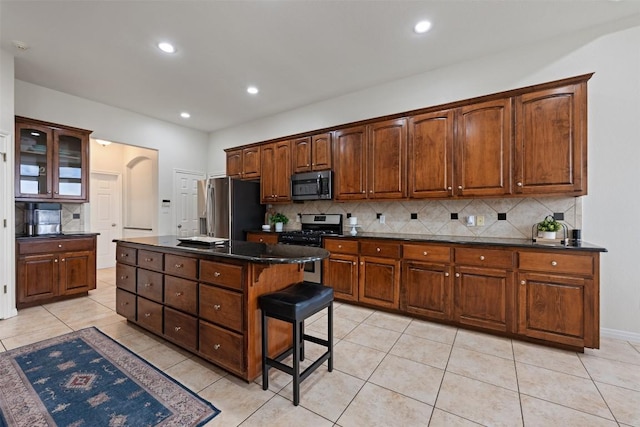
<point x="52" y="162"/>
<point x="275" y="184"/>
<point x="244" y="163"/>
<point x="312" y="153"/>
<point x="551" y="149"/>
<point x="370" y="161"/>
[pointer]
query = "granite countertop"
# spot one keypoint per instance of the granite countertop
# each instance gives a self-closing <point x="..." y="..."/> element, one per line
<point x="68" y="234"/>
<point x="237" y="249"/>
<point x="473" y="240"/>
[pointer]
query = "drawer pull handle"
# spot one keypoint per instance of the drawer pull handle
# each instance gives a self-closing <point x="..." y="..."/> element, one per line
<point x="124" y="255"/>
<point x="179" y="265"/>
<point x="216" y="346"/>
<point x="217" y="274"/>
<point x="261" y="240"/>
<point x="481" y="257"/>
<point x="523" y="282"/>
<point x="339" y="246"/>
<point x="377" y="249"/>
<point x="425" y="253"/>
<point x="148" y="285"/>
<point x="179" y="294"/>
<point x="59" y="246"/>
<point x="147" y="315"/>
<point x="124" y="303"/>
<point x="124" y="277"/>
<point x="148" y="259"/>
<point x="457" y="274"/>
<point x="216" y="307"/>
<point x="177" y="328"/>
<point x="554" y="263"/>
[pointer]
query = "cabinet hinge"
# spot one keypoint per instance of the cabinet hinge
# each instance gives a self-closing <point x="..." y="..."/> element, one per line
<point x="4" y="157"/>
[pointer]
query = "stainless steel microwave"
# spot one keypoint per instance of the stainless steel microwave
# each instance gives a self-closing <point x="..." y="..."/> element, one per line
<point x="312" y="186"/>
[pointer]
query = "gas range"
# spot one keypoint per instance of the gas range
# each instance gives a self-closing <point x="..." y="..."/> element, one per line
<point x="314" y="227"/>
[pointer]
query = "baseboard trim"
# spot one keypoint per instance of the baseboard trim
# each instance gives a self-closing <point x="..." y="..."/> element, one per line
<point x="620" y="335"/>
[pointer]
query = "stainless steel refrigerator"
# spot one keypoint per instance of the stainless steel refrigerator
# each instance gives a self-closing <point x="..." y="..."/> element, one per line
<point x="229" y="207"/>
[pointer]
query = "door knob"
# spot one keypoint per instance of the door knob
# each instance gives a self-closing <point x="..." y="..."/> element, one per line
<point x="113" y="225"/>
<point x="179" y="225"/>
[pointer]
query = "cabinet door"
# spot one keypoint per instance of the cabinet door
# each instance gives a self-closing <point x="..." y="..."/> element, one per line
<point x="379" y="282"/>
<point x="301" y="154"/>
<point x="349" y="155"/>
<point x="484" y="298"/>
<point x="77" y="272"/>
<point x="551" y="149"/>
<point x="282" y="172"/>
<point x="427" y="290"/>
<point x="553" y="308"/>
<point x="234" y="164"/>
<point x="34" y="157"/>
<point x="37" y="278"/>
<point x="126" y="304"/>
<point x="387" y="152"/>
<point x="484" y="144"/>
<point x="321" y="152"/>
<point x="267" y="182"/>
<point x="251" y="163"/>
<point x="70" y="165"/>
<point x="340" y="271"/>
<point x="430" y="154"/>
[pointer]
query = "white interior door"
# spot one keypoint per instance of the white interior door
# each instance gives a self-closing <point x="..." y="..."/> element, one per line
<point x="186" y="206"/>
<point x="106" y="215"/>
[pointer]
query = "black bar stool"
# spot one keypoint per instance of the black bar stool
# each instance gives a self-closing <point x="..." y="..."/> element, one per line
<point x="295" y="304"/>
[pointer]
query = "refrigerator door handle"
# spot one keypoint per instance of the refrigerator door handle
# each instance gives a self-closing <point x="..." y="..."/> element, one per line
<point x="210" y="203"/>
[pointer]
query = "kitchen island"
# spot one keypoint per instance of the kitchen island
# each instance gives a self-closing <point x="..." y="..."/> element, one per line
<point x="205" y="298"/>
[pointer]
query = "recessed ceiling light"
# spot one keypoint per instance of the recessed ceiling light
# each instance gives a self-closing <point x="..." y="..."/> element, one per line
<point x="166" y="47"/>
<point x="422" y="27"/>
<point x="185" y="115"/>
<point x="252" y="90"/>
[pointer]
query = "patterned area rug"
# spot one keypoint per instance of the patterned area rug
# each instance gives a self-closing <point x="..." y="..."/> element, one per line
<point x="86" y="379"/>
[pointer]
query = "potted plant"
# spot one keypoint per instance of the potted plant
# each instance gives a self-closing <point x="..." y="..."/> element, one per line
<point x="279" y="220"/>
<point x="548" y="227"/>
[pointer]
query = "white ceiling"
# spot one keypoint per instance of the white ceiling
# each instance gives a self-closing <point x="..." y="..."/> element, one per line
<point x="296" y="52"/>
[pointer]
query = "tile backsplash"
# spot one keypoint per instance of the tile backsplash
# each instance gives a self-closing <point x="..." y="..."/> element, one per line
<point x="508" y="217"/>
<point x="72" y="217"/>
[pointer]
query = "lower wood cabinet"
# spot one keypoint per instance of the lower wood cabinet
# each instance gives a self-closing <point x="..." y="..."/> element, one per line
<point x="126" y="304"/>
<point x="149" y="315"/>
<point x="51" y="268"/>
<point x="541" y="294"/>
<point x="224" y="347"/>
<point x="181" y="328"/>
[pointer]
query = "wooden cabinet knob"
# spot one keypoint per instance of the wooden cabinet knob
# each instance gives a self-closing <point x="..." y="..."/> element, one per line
<point x="59" y="246"/>
<point x="523" y="282"/>
<point x="62" y="260"/>
<point x="446" y="274"/>
<point x="519" y="184"/>
<point x="377" y="249"/>
<point x="457" y="274"/>
<point x="55" y="260"/>
<point x="553" y="263"/>
<point x="449" y="188"/>
<point x="459" y="187"/>
<point x="425" y="253"/>
<point x="354" y="263"/>
<point x="361" y="262"/>
<point x="481" y="257"/>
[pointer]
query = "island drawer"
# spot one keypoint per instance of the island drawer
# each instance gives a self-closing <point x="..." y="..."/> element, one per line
<point x="221" y="274"/>
<point x="222" y="346"/>
<point x="150" y="315"/>
<point x="150" y="285"/>
<point x="181" y="294"/>
<point x="150" y="260"/>
<point x="556" y="263"/>
<point x="484" y="257"/>
<point x="425" y="252"/>
<point x="126" y="277"/>
<point x="341" y="246"/>
<point x="382" y="249"/>
<point x="181" y="266"/>
<point x="126" y="255"/>
<point x="126" y="304"/>
<point x="221" y="306"/>
<point x="181" y="328"/>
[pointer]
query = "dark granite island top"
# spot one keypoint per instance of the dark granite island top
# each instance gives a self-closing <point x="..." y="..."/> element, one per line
<point x="236" y="249"/>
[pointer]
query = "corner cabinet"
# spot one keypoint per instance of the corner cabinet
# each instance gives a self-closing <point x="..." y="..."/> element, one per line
<point x="52" y="162"/>
<point x="50" y="268"/>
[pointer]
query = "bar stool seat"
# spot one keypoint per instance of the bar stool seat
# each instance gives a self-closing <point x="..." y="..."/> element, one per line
<point x="295" y="304"/>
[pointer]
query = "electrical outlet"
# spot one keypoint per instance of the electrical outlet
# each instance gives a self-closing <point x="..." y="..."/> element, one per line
<point x="382" y="219"/>
<point x="480" y="220"/>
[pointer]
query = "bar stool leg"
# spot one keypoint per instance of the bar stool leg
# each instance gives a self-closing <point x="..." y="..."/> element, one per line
<point x="302" y="341"/>
<point x="296" y="363"/>
<point x="330" y="337"/>
<point x="265" y="365"/>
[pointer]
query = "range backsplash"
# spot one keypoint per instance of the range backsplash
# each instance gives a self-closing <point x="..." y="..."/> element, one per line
<point x="434" y="217"/>
<point x="72" y="219"/>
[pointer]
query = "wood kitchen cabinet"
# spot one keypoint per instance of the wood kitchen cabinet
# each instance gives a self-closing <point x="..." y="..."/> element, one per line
<point x="340" y="270"/>
<point x="244" y="163"/>
<point x="275" y="183"/>
<point x="557" y="298"/>
<point x="311" y="153"/>
<point x="50" y="268"/>
<point x="370" y="161"/>
<point x="266" y="237"/>
<point x="484" y="295"/>
<point x="379" y="281"/>
<point x="52" y="162"/>
<point x="427" y="281"/>
<point x="551" y="148"/>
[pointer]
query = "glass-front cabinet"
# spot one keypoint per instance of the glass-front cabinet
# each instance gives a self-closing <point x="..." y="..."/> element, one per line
<point x="52" y="161"/>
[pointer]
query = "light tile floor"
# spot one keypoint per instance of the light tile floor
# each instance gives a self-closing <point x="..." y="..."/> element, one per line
<point x="388" y="370"/>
